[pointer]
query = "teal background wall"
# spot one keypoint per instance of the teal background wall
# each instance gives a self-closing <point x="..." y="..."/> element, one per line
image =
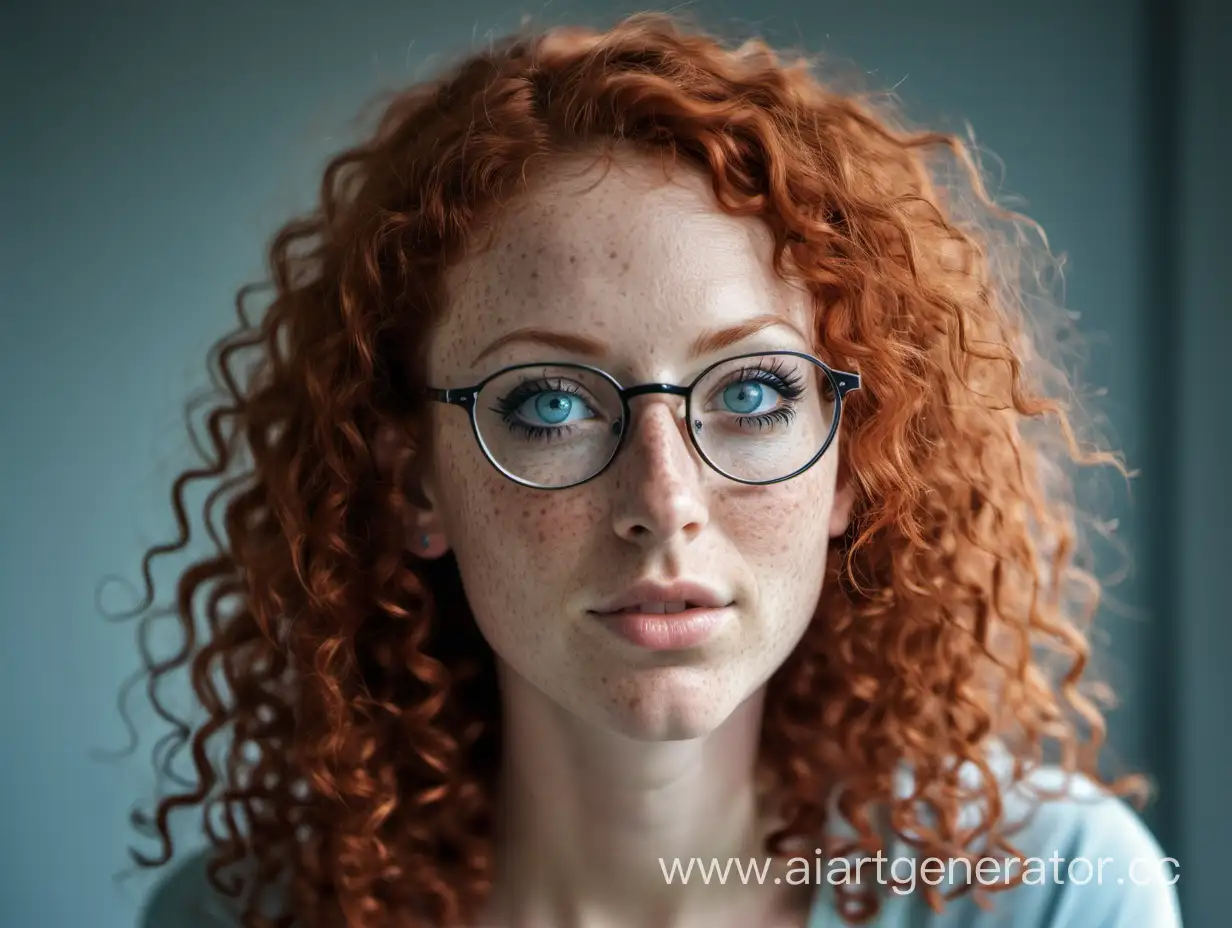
<point x="147" y="150"/>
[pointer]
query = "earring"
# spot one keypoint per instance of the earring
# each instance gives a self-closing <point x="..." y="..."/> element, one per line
<point x="425" y="541"/>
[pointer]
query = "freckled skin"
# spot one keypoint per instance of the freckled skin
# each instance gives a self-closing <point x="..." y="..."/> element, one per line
<point x="644" y="264"/>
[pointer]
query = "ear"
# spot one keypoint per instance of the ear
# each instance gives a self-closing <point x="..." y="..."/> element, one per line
<point x="424" y="531"/>
<point x="844" y="502"/>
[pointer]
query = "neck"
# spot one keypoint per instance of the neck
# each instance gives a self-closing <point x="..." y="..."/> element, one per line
<point x="592" y="823"/>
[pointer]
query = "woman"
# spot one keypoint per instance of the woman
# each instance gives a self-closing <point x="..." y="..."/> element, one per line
<point x="648" y="466"/>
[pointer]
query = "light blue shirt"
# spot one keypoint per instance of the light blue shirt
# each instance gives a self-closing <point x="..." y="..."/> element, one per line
<point x="1087" y="860"/>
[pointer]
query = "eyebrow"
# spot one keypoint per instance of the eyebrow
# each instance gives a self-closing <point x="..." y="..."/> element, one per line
<point x="706" y="343"/>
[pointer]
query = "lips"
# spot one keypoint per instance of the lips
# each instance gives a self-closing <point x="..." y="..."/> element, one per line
<point x="659" y="608"/>
<point x="652" y="598"/>
<point x="666" y="616"/>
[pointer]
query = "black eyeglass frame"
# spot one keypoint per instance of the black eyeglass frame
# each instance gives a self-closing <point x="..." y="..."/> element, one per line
<point x="842" y="382"/>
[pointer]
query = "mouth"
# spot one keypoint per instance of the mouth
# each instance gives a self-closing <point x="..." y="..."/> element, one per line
<point x="671" y="626"/>
<point x="659" y="616"/>
<point x="655" y="608"/>
<point x="649" y="597"/>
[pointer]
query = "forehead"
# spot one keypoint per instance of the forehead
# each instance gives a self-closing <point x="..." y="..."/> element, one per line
<point x="619" y="253"/>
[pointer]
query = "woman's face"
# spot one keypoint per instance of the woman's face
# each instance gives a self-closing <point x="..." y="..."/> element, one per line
<point x="643" y="267"/>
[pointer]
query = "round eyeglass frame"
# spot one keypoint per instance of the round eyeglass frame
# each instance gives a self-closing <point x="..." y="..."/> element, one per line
<point x="842" y="382"/>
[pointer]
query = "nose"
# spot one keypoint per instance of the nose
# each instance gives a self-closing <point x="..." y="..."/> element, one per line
<point x="659" y="493"/>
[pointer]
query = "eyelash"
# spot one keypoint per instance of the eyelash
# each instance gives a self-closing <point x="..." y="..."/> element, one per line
<point x="508" y="404"/>
<point x="787" y="384"/>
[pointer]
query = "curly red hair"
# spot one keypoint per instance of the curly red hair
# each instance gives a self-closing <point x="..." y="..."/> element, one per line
<point x="359" y="712"/>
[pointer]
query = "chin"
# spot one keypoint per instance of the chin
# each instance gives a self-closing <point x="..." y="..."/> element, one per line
<point x="667" y="704"/>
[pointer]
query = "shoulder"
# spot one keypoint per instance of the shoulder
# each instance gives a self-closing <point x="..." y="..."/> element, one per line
<point x="184" y="898"/>
<point x="1085" y="857"/>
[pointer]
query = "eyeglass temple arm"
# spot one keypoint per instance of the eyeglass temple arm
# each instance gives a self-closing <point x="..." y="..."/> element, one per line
<point x="458" y="396"/>
<point x="847" y="381"/>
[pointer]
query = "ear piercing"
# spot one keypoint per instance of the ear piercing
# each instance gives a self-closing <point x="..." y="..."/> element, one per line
<point x="425" y="541"/>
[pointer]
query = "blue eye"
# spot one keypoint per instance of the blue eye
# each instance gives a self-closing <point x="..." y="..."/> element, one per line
<point x="544" y="409"/>
<point x="553" y="408"/>
<point x="743" y="397"/>
<point x="550" y="409"/>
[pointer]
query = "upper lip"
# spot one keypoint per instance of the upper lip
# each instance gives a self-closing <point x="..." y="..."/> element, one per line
<point x="694" y="594"/>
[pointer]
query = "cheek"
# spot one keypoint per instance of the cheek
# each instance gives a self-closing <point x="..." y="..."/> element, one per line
<point x="781" y="533"/>
<point x="548" y="524"/>
<point x="503" y="533"/>
<point x="782" y="521"/>
<point x="542" y="532"/>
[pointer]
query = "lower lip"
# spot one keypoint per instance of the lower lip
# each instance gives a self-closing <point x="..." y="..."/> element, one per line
<point x="666" y="631"/>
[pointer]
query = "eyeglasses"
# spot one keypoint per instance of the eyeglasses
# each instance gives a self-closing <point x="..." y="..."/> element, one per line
<point x="755" y="418"/>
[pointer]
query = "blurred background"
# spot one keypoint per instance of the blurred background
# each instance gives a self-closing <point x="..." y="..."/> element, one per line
<point x="148" y="150"/>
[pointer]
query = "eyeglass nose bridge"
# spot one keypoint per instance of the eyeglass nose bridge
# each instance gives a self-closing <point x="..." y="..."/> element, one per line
<point x="642" y="389"/>
<point x="645" y="389"/>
